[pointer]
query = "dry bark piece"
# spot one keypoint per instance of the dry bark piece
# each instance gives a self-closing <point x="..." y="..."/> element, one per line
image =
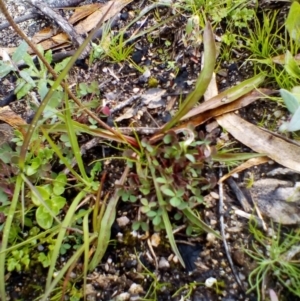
<point x="278" y="199"/>
<point x="239" y="194"/>
<point x="6" y="133"/>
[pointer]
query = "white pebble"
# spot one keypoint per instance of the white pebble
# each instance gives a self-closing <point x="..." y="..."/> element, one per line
<point x="135" y="289"/>
<point x="163" y="263"/>
<point x="155" y="240"/>
<point x="210" y="237"/>
<point x="123" y="221"/>
<point x="209" y="282"/>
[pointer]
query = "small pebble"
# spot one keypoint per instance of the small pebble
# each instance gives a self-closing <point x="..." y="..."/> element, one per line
<point x="238" y="257"/>
<point x="123" y="221"/>
<point x="214" y="195"/>
<point x="155" y="240"/>
<point x="122" y="297"/>
<point x="163" y="263"/>
<point x="210" y="237"/>
<point x="209" y="282"/>
<point x="136" y="90"/>
<point x="135" y="289"/>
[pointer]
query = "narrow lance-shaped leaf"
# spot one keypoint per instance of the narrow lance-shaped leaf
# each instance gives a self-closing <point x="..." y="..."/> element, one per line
<point x="203" y="79"/>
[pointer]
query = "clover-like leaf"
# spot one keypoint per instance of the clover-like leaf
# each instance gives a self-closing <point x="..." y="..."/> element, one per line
<point x="43" y="218"/>
<point x="175" y="201"/>
<point x="42" y="193"/>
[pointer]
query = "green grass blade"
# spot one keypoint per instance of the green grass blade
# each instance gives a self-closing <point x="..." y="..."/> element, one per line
<point x="62" y="158"/>
<point x="232" y="157"/>
<point x="86" y="251"/>
<point x="65" y="268"/>
<point x="65" y="224"/>
<point x="31" y="239"/>
<point x="73" y="140"/>
<point x="227" y="96"/>
<point x="194" y="219"/>
<point x="203" y="79"/>
<point x="6" y="230"/>
<point x="106" y="223"/>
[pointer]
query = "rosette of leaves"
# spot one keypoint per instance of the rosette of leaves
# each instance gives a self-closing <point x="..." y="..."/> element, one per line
<point x="179" y="163"/>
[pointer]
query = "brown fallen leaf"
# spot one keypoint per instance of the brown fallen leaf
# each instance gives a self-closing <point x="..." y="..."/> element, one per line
<point x="230" y="107"/>
<point x="249" y="163"/>
<point x="43" y="34"/>
<point x="62" y="40"/>
<point x="10" y="117"/>
<point x="84" y="11"/>
<point x="224" y="97"/>
<point x="279" y="150"/>
<point x="90" y="22"/>
<point x="280" y="59"/>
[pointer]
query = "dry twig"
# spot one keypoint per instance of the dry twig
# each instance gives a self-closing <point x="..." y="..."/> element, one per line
<point x="222" y="228"/>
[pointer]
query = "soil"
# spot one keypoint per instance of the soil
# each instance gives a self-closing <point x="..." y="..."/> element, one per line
<point x="134" y="268"/>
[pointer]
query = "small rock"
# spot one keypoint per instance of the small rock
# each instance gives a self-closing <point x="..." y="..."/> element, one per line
<point x="163" y="263"/>
<point x="238" y="257"/>
<point x="155" y="240"/>
<point x="214" y="195"/>
<point x="175" y="259"/>
<point x="136" y="90"/>
<point x="122" y="297"/>
<point x="123" y="221"/>
<point x="209" y="282"/>
<point x="210" y="237"/>
<point x="135" y="289"/>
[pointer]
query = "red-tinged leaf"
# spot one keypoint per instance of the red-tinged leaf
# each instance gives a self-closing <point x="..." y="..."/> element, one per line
<point x="106" y="111"/>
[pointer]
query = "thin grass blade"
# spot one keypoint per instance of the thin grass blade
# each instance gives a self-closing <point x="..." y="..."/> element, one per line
<point x="194" y="219"/>
<point x="65" y="224"/>
<point x="6" y="230"/>
<point x="73" y="140"/>
<point x="106" y="223"/>
<point x="203" y="79"/>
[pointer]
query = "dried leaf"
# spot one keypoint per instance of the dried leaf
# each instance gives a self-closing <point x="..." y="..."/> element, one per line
<point x="128" y="114"/>
<point x="43" y="34"/>
<point x="249" y="163"/>
<point x="278" y="149"/>
<point x="90" y="22"/>
<point x="10" y="117"/>
<point x="227" y="96"/>
<point x="84" y="11"/>
<point x="229" y="107"/>
<point x="280" y="59"/>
